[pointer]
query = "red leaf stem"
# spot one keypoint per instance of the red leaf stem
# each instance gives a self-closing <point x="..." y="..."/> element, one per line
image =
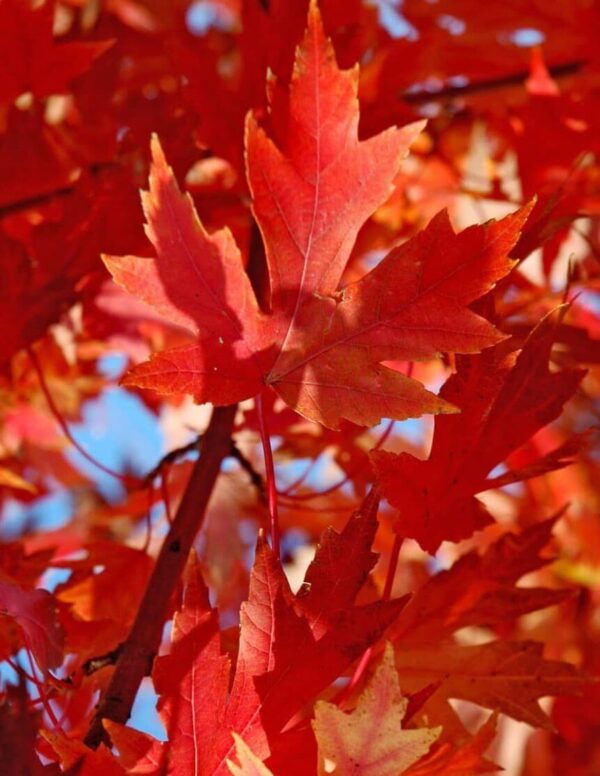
<point x="270" y="474"/>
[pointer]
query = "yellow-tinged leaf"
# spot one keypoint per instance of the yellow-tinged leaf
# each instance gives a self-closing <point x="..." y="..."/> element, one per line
<point x="9" y="479"/>
<point x="370" y="740"/>
<point x="577" y="572"/>
<point x="249" y="764"/>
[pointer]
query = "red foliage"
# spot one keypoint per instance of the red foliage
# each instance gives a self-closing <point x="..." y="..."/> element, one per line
<point x="321" y="245"/>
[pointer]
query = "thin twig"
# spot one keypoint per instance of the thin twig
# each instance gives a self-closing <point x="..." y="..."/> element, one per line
<point x="340" y="483"/>
<point x="246" y="465"/>
<point x="125" y="479"/>
<point x="164" y="491"/>
<point x="391" y="572"/>
<point x="171" y="457"/>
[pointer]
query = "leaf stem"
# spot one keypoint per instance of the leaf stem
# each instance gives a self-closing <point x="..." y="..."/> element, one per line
<point x="164" y="491"/>
<point x="289" y="491"/>
<point x="270" y="473"/>
<point x="140" y="648"/>
<point x="360" y="669"/>
<point x="126" y="480"/>
<point x="332" y="488"/>
<point x="385" y="596"/>
<point x="393" y="565"/>
<point x="148" y="518"/>
<point x="42" y="698"/>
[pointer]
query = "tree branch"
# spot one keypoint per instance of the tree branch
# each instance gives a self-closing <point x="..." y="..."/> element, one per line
<point x="141" y="646"/>
<point x="561" y="70"/>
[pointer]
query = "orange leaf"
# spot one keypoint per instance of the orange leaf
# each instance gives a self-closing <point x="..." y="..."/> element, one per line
<point x="139" y="753"/>
<point x="8" y="479"/>
<point x="249" y="765"/>
<point x="74" y="754"/>
<point x="480" y="589"/>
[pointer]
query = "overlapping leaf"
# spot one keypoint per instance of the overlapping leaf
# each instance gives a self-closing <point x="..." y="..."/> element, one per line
<point x="480" y="589"/>
<point x="505" y="399"/>
<point x="275" y="675"/>
<point x="320" y="348"/>
<point x="75" y="755"/>
<point x="30" y="59"/>
<point x="506" y="676"/>
<point x="370" y="740"/>
<point x="139" y="753"/>
<point x="192" y="681"/>
<point x="466" y="760"/>
<point x="249" y="764"/>
<point x="282" y="639"/>
<point x="35" y="613"/>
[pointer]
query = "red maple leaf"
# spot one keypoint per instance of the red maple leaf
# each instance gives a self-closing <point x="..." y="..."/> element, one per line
<point x="283" y="637"/>
<point x="504" y="399"/>
<point x="35" y="613"/>
<point x="30" y="60"/>
<point x="318" y="304"/>
<point x="319" y="347"/>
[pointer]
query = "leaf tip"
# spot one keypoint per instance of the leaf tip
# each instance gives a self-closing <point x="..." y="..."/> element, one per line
<point x="413" y="130"/>
<point x="314" y="15"/>
<point x="447" y="408"/>
<point x="109" y="262"/>
<point x="158" y="156"/>
<point x="159" y="168"/>
<point x="525" y="210"/>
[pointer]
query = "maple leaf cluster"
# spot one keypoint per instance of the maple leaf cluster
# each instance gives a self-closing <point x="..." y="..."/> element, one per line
<point x="298" y="451"/>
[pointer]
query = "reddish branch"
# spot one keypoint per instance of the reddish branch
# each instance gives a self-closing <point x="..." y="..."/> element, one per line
<point x="140" y="648"/>
<point x="558" y="71"/>
<point x="562" y="70"/>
